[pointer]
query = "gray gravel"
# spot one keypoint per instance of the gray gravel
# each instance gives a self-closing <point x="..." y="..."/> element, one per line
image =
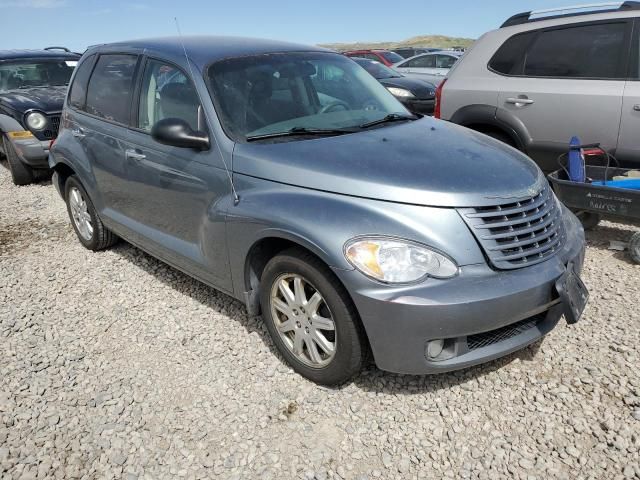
<point x="114" y="365"/>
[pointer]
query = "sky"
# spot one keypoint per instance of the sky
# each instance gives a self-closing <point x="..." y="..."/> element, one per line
<point x="77" y="24"/>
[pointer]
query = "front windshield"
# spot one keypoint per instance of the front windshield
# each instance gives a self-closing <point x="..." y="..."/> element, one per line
<point x="40" y="73"/>
<point x="378" y="70"/>
<point x="266" y="94"/>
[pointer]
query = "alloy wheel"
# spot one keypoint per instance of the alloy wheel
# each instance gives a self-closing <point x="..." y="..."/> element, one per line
<point x="80" y="214"/>
<point x="303" y="320"/>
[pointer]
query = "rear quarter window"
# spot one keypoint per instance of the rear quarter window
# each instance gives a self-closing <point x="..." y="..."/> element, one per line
<point x="509" y="59"/>
<point x="78" y="89"/>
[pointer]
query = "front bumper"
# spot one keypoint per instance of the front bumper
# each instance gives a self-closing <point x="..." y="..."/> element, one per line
<point x="482" y="313"/>
<point x="423" y="107"/>
<point x="32" y="151"/>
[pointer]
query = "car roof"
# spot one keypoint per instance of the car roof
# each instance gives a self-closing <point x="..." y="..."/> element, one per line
<point x="27" y="54"/>
<point x="203" y="50"/>
<point x="451" y="53"/>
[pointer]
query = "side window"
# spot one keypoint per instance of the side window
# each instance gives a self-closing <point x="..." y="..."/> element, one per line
<point x="445" y="61"/>
<point x="509" y="59"/>
<point x="587" y="51"/>
<point x="78" y="89"/>
<point x="166" y="93"/>
<point x="109" y="91"/>
<point x="426" y="61"/>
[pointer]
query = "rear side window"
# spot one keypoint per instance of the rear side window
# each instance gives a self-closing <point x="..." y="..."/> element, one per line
<point x="588" y="51"/>
<point x="78" y="90"/>
<point x="509" y="59"/>
<point x="445" y="61"/>
<point x="109" y="91"/>
<point x="426" y="61"/>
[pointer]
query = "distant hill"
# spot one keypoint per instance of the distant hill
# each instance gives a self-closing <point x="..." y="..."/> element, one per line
<point x="440" y="41"/>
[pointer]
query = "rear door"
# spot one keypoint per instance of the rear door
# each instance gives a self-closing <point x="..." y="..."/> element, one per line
<point x="628" y="151"/>
<point x="422" y="66"/>
<point x="444" y="64"/>
<point x="570" y="82"/>
<point x="101" y="128"/>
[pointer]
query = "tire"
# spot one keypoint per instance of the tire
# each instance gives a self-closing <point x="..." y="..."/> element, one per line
<point x="21" y="174"/>
<point x="589" y="220"/>
<point x="347" y="337"/>
<point x="634" y="247"/>
<point x="98" y="237"/>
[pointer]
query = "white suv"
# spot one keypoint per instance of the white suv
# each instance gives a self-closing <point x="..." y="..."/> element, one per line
<point x="546" y="76"/>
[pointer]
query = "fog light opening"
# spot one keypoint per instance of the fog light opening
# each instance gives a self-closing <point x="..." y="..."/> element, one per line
<point x="434" y="349"/>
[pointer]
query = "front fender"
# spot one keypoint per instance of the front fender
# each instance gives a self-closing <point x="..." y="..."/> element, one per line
<point x="323" y="222"/>
<point x="9" y="124"/>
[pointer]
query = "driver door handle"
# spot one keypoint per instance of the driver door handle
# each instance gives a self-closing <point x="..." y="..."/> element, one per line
<point x="133" y="155"/>
<point x="520" y="101"/>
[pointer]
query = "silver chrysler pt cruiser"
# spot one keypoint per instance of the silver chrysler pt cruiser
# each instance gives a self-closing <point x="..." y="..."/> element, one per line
<point x="289" y="178"/>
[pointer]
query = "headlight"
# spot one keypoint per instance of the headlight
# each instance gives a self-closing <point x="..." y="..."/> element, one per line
<point x="400" y="92"/>
<point x="397" y="261"/>
<point x="36" y="121"/>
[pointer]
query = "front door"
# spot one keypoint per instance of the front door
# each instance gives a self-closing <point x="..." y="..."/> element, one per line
<point x="173" y="191"/>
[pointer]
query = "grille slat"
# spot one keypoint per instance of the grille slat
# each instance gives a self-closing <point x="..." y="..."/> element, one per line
<point x="520" y="233"/>
<point x="52" y="132"/>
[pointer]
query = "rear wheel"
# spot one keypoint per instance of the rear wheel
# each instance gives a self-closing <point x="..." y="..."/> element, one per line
<point x="311" y="318"/>
<point x="85" y="220"/>
<point x="21" y="174"/>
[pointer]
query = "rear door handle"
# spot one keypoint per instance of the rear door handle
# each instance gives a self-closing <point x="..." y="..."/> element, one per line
<point x="520" y="101"/>
<point x="636" y="107"/>
<point x="78" y="132"/>
<point x="133" y="155"/>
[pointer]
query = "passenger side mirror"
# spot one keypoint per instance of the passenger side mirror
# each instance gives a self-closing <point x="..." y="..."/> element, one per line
<point x="178" y="133"/>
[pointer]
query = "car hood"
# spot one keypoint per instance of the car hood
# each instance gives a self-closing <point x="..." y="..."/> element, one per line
<point x="425" y="162"/>
<point x="421" y="89"/>
<point x="46" y="99"/>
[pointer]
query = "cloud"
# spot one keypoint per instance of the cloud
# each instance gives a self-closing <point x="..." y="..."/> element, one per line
<point x="138" y="6"/>
<point x="33" y="3"/>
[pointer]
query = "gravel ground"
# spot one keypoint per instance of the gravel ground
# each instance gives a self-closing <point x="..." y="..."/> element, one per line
<point x="114" y="365"/>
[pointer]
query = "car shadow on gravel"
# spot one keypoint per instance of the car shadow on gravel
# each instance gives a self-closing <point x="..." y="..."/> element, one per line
<point x="371" y="379"/>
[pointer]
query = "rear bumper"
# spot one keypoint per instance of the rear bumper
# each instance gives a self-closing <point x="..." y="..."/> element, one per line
<point x="32" y="151"/>
<point x="482" y="314"/>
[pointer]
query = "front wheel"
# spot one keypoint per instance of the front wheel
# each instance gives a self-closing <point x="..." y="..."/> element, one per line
<point x="311" y="318"/>
<point x="21" y="174"/>
<point x="85" y="220"/>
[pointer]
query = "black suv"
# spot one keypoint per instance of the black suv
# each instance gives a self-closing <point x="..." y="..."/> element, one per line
<point x="33" y="84"/>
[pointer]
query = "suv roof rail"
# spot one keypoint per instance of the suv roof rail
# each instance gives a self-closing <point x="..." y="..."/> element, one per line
<point x="572" y="11"/>
<point x="58" y="48"/>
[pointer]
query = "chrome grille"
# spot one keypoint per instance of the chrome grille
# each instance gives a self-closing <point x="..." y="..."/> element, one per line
<point x="54" y="124"/>
<point x="518" y="234"/>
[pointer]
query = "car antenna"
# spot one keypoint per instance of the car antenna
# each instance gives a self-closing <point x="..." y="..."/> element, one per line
<point x="236" y="198"/>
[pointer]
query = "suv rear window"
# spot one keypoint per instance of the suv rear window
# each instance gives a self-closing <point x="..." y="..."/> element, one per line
<point x="109" y="91"/>
<point x="584" y="51"/>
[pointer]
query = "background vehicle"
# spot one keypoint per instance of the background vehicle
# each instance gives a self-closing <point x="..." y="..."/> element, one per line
<point x="287" y="176"/>
<point x="408" y="52"/>
<point x="383" y="56"/>
<point x="547" y="76"/>
<point x="415" y="94"/>
<point x="32" y="88"/>
<point x="433" y="67"/>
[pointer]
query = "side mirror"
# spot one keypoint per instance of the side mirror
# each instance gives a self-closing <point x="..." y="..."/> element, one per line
<point x="177" y="133"/>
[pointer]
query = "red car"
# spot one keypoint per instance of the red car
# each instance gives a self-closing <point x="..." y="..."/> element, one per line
<point x="383" y="56"/>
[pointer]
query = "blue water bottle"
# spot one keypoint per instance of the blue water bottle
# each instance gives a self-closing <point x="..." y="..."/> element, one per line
<point x="576" y="161"/>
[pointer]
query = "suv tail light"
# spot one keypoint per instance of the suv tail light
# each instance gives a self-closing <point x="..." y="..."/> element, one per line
<point x="437" y="110"/>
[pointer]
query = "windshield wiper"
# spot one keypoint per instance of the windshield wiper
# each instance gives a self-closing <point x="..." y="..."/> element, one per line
<point x="392" y="117"/>
<point x="300" y="131"/>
